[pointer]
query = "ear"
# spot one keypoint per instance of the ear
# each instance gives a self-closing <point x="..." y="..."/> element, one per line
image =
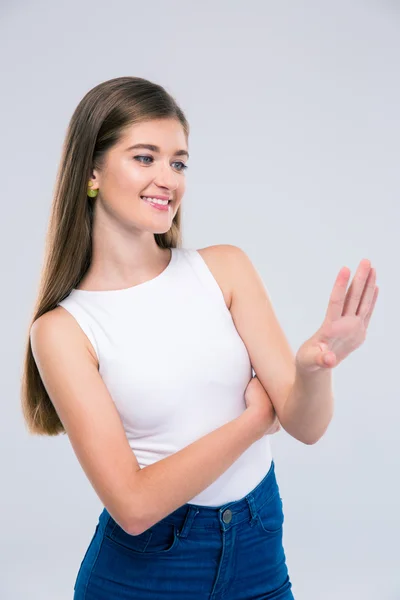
<point x="95" y="179"/>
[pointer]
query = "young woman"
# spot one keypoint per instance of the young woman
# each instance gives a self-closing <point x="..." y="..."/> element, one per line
<point x="142" y="351"/>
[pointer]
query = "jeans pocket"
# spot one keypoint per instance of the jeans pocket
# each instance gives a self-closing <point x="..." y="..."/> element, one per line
<point x="270" y="515"/>
<point x="161" y="538"/>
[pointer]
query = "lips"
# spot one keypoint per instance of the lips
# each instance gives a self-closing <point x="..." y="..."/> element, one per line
<point x="157" y="205"/>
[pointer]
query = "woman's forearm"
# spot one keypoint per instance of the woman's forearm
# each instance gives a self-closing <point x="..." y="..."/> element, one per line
<point x="167" y="484"/>
<point x="309" y="407"/>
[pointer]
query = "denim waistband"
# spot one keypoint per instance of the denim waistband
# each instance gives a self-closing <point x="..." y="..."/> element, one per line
<point x="194" y="516"/>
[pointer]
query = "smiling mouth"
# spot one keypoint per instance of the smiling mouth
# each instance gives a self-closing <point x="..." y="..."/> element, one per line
<point x="148" y="199"/>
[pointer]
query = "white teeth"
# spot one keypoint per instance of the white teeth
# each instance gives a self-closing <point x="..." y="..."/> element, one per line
<point x="155" y="200"/>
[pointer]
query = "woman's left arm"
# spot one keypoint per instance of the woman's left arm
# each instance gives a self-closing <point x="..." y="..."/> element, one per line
<point x="300" y="387"/>
<point x="310" y="402"/>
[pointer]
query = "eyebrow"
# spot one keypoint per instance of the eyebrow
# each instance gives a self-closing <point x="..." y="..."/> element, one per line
<point x="157" y="149"/>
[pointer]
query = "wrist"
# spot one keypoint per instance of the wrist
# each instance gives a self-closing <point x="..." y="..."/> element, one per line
<point x="251" y="417"/>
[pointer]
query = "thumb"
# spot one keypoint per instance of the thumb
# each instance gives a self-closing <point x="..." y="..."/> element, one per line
<point x="314" y="356"/>
<point x="325" y="358"/>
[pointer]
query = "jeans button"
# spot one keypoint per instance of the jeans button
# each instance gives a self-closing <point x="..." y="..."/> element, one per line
<point x="227" y="516"/>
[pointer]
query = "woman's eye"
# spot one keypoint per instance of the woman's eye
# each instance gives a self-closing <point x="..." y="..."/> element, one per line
<point x="137" y="157"/>
<point x="183" y="167"/>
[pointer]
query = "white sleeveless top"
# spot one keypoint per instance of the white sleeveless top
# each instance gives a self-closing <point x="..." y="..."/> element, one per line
<point x="174" y="365"/>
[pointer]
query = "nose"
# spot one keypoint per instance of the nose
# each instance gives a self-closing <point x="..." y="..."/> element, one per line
<point x="166" y="177"/>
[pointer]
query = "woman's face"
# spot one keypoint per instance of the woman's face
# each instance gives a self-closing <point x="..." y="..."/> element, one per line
<point x="130" y="173"/>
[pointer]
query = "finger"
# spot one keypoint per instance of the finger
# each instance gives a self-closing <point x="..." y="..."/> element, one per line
<point x="371" y="310"/>
<point x="369" y="291"/>
<point x="329" y="359"/>
<point x="274" y="428"/>
<point x="338" y="295"/>
<point x="325" y="359"/>
<point x="356" y="288"/>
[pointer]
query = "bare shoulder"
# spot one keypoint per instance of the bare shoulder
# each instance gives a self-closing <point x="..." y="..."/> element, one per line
<point x="222" y="259"/>
<point x="59" y="323"/>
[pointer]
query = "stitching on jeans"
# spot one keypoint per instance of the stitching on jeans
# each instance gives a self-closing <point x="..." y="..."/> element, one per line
<point x="268" y="500"/>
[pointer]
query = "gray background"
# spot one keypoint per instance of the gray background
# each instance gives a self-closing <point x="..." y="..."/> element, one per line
<point x="294" y="110"/>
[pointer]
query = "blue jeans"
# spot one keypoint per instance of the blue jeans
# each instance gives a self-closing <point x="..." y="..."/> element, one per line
<point x="231" y="552"/>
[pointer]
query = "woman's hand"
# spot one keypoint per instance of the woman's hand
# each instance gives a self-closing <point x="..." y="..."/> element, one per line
<point x="346" y="322"/>
<point x="259" y="403"/>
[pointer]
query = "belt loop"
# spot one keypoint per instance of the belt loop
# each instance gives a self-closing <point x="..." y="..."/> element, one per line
<point x="187" y="523"/>
<point x="253" y="510"/>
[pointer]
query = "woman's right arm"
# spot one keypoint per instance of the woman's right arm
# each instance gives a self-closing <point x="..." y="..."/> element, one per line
<point x="136" y="498"/>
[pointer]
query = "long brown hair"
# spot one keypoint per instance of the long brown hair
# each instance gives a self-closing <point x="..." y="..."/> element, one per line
<point x="96" y="125"/>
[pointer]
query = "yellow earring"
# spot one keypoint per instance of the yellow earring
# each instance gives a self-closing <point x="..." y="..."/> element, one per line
<point x="92" y="193"/>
